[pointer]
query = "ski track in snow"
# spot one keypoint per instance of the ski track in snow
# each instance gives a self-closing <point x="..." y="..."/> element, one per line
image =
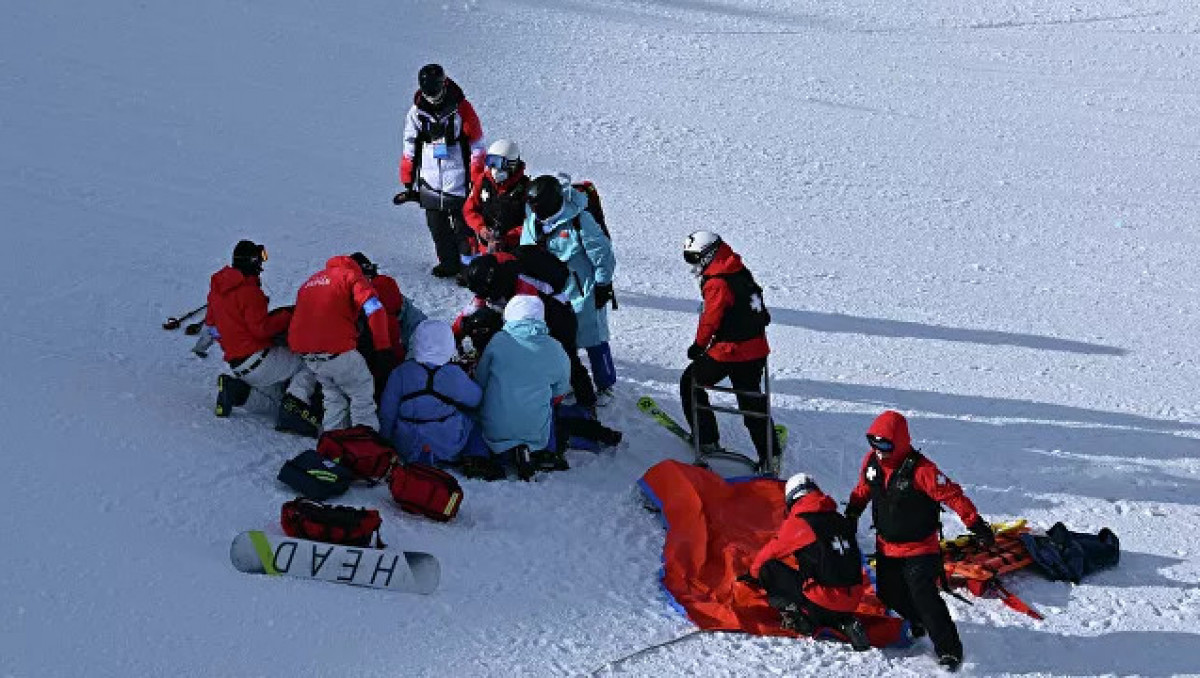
<point x="979" y="214"/>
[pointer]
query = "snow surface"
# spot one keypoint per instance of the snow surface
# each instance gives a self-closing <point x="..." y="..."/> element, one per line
<point x="982" y="214"/>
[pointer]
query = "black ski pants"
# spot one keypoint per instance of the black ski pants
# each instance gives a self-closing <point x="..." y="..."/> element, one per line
<point x="563" y="326"/>
<point x="743" y="376"/>
<point x="784" y="586"/>
<point x="449" y="232"/>
<point x="910" y="587"/>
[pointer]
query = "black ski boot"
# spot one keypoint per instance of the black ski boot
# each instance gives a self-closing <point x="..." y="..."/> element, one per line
<point x="794" y="619"/>
<point x="522" y="460"/>
<point x="548" y="460"/>
<point x="856" y="634"/>
<point x="445" y="270"/>
<point x="231" y="392"/>
<point x="295" y="416"/>
<point x="482" y="468"/>
<point x="609" y="437"/>
<point x="950" y="661"/>
<point x="916" y="630"/>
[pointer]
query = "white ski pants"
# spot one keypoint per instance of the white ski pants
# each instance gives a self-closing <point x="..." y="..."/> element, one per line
<point x="266" y="373"/>
<point x="348" y="388"/>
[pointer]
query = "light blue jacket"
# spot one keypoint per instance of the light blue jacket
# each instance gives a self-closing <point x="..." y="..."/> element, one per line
<point x="589" y="255"/>
<point x="426" y="428"/>
<point x="522" y="369"/>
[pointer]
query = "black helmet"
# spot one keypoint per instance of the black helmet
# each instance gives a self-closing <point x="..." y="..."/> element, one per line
<point x="248" y="257"/>
<point x="432" y="79"/>
<point x="544" y="197"/>
<point x="368" y="267"/>
<point x="481" y="276"/>
<point x="481" y="325"/>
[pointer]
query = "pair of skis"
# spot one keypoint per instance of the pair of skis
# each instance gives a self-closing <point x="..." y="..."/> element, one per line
<point x="650" y="407"/>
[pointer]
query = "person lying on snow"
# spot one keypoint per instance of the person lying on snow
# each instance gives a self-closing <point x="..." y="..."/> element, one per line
<point x="812" y="569"/>
<point x="324" y="332"/>
<point x="496" y="278"/>
<point x="558" y="221"/>
<point x="251" y="339"/>
<point x="522" y="371"/>
<point x="424" y="410"/>
<point x="403" y="317"/>
<point x="906" y="491"/>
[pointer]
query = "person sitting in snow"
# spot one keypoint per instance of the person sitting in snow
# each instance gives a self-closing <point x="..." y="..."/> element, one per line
<point x="424" y="409"/>
<point x="812" y="569"/>
<point x="906" y="491"/>
<point x="324" y="332"/>
<point x="403" y="318"/>
<point x="495" y="209"/>
<point x="557" y="219"/>
<point x="249" y="335"/>
<point x="522" y="371"/>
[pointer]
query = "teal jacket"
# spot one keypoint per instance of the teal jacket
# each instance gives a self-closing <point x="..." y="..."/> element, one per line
<point x="589" y="255"/>
<point x="522" y="369"/>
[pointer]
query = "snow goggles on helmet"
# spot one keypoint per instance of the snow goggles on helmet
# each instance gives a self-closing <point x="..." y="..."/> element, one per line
<point x="880" y="443"/>
<point x="498" y="162"/>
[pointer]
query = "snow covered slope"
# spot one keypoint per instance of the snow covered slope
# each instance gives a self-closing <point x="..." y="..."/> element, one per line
<point x="981" y="214"/>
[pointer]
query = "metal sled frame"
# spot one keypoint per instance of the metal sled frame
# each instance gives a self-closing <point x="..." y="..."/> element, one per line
<point x="768" y="420"/>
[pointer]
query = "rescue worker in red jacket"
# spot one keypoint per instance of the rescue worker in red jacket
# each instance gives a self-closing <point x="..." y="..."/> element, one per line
<point x="238" y="318"/>
<point x="731" y="341"/>
<point x="495" y="209"/>
<point x="403" y="317"/>
<point x="325" y="333"/>
<point x="906" y="491"/>
<point x="812" y="569"/>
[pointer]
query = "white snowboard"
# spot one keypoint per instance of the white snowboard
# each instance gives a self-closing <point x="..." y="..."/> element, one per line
<point x="409" y="571"/>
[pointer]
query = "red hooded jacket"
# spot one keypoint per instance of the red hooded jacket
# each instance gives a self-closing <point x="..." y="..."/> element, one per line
<point x="795" y="534"/>
<point x="926" y="477"/>
<point x="389" y="294"/>
<point x="237" y="307"/>
<point x="327" y="308"/>
<point x="718" y="297"/>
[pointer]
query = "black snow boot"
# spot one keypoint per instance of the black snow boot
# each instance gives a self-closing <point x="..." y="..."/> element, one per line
<point x="794" y="619"/>
<point x="295" y="416"/>
<point x="522" y="460"/>
<point x="548" y="460"/>
<point x="482" y="468"/>
<point x="445" y="270"/>
<point x="950" y="661"/>
<point x="231" y="392"/>
<point x="856" y="634"/>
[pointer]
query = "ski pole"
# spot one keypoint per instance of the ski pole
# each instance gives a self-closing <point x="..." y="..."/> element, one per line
<point x="174" y="323"/>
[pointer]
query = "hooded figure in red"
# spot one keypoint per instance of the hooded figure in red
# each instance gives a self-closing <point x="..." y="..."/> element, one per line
<point x="325" y="333"/>
<point x="906" y="492"/>
<point x="730" y="342"/>
<point x="812" y="569"/>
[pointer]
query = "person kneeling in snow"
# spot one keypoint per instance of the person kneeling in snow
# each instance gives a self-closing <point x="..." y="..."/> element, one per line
<point x="906" y="491"/>
<point x="325" y="334"/>
<point x="238" y="318"/>
<point x="522" y="370"/>
<point x="403" y="318"/>
<point x="812" y="569"/>
<point x="425" y="403"/>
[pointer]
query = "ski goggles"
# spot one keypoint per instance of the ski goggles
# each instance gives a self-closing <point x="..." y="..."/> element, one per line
<point x="692" y="257"/>
<point x="880" y="443"/>
<point x="498" y="162"/>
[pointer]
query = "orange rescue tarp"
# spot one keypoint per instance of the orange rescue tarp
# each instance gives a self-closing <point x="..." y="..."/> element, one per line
<point x="714" y="529"/>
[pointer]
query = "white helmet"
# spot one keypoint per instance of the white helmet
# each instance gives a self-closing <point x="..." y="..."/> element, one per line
<point x="699" y="248"/>
<point x="797" y="486"/>
<point x="503" y="159"/>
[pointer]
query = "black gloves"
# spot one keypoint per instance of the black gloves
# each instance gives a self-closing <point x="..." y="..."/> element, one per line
<point x="695" y="351"/>
<point x="404" y="196"/>
<point x="749" y="580"/>
<point x="604" y="294"/>
<point x="853" y="515"/>
<point x="982" y="531"/>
